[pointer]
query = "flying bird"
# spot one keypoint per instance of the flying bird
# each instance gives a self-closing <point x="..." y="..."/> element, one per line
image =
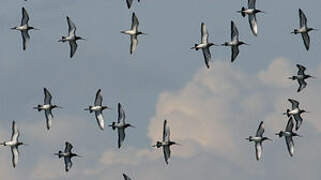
<point x="129" y="3"/>
<point x="288" y="135"/>
<point x="304" y="30"/>
<point x="98" y="109"/>
<point x="133" y="32"/>
<point x="47" y="107"/>
<point x="67" y="155"/>
<point x="71" y="38"/>
<point x="126" y="177"/>
<point x="14" y="143"/>
<point x="234" y="43"/>
<point x="204" y="45"/>
<point x="251" y="11"/>
<point x="166" y="143"/>
<point x="24" y="28"/>
<point x="295" y="112"/>
<point x="301" y="77"/>
<point x="258" y="139"/>
<point x="121" y="125"/>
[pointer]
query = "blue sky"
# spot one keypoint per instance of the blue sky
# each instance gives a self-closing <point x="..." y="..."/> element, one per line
<point x="209" y="111"/>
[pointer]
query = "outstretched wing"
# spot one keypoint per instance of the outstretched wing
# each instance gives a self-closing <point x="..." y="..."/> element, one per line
<point x="129" y="3"/>
<point x="290" y="144"/>
<point x="253" y="23"/>
<point x="204" y="34"/>
<point x="49" y="118"/>
<point x="48" y="97"/>
<point x="295" y="104"/>
<point x="99" y="98"/>
<point x="260" y="130"/>
<point x="68" y="147"/>
<point x="298" y="120"/>
<point x="121" y="114"/>
<point x="235" y="53"/>
<point x="290" y="124"/>
<point x="121" y="136"/>
<point x="71" y="27"/>
<point x="251" y="4"/>
<point x="306" y="40"/>
<point x="25" y="17"/>
<point x="15" y="155"/>
<point x="133" y="43"/>
<point x="25" y="39"/>
<point x="73" y="47"/>
<point x="100" y="119"/>
<point x="303" y="18"/>
<point x="234" y="32"/>
<point x="167" y="153"/>
<point x="258" y="150"/>
<point x="135" y="22"/>
<point x="15" y="132"/>
<point x="301" y="69"/>
<point x="207" y="56"/>
<point x="126" y="177"/>
<point x="68" y="163"/>
<point x="302" y="84"/>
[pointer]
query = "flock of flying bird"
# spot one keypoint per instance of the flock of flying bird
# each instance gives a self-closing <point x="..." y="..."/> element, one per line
<point x="293" y="114"/>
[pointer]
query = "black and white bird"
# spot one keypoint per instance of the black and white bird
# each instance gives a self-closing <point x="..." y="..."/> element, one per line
<point x="204" y="45"/>
<point x="258" y="139"/>
<point x="24" y="28"/>
<point x="296" y="113"/>
<point x="235" y="42"/>
<point x="14" y="143"/>
<point x="121" y="125"/>
<point x="47" y="107"/>
<point x="129" y="3"/>
<point x="251" y="11"/>
<point x="67" y="155"/>
<point x="166" y="143"/>
<point x="288" y="135"/>
<point x="304" y="29"/>
<point x="301" y="77"/>
<point x="72" y="38"/>
<point x="98" y="109"/>
<point x="133" y="32"/>
<point x="126" y="177"/>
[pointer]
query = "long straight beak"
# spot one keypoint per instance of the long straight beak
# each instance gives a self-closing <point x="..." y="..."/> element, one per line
<point x="313" y="77"/>
<point x="59" y="107"/>
<point x="247" y="44"/>
<point x="36" y="29"/>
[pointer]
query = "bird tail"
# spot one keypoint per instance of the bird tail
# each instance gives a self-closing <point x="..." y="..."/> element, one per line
<point x="89" y="109"/>
<point x="113" y="125"/>
<point x="195" y="47"/>
<point x="242" y="11"/>
<point x="292" y="77"/>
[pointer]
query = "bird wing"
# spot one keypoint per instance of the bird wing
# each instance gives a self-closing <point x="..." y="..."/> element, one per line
<point x="207" y="56"/>
<point x="302" y="84"/>
<point x="306" y="40"/>
<point x="253" y="23"/>
<point x="301" y="69"/>
<point x="260" y="130"/>
<point x="303" y="19"/>
<point x="99" y="98"/>
<point x="100" y="119"/>
<point x="25" y="17"/>
<point x="15" y="155"/>
<point x="204" y="34"/>
<point x="49" y="118"/>
<point x="289" y="126"/>
<point x="71" y="26"/>
<point x="251" y="4"/>
<point x="68" y="147"/>
<point x="133" y="43"/>
<point x="167" y="153"/>
<point x="48" y="96"/>
<point x="126" y="177"/>
<point x="235" y="52"/>
<point x="25" y="39"/>
<point x="73" y="47"/>
<point x="135" y="22"/>
<point x="298" y="120"/>
<point x="15" y="132"/>
<point x="121" y="114"/>
<point x="295" y="104"/>
<point x="258" y="150"/>
<point x="129" y="3"/>
<point x="290" y="144"/>
<point x="166" y="131"/>
<point x="121" y="136"/>
<point x="68" y="163"/>
<point x="234" y="32"/>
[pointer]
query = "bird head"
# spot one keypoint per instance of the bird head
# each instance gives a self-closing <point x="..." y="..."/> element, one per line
<point x="158" y="144"/>
<point x="249" y="138"/>
<point x="280" y="134"/>
<point x="224" y="44"/>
